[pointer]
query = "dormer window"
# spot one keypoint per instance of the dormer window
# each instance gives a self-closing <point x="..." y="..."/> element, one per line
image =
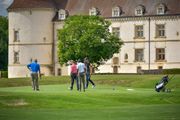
<point x="62" y="14"/>
<point x="161" y="9"/>
<point x="93" y="11"/>
<point x="116" y="11"/>
<point x="139" y="10"/>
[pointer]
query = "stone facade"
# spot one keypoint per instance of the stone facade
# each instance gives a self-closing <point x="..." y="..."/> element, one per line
<point x="34" y="40"/>
<point x="151" y="41"/>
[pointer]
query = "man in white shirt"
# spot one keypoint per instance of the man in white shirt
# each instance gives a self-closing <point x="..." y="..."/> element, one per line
<point x="81" y="73"/>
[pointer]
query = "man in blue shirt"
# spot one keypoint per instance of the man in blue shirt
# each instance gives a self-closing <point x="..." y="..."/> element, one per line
<point x="34" y="67"/>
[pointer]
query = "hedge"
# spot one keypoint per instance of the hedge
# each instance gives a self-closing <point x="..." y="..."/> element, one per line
<point x="4" y="74"/>
<point x="171" y="71"/>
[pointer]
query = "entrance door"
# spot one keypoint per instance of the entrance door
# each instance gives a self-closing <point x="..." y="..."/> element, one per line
<point x="115" y="69"/>
<point x="59" y="71"/>
<point x="139" y="69"/>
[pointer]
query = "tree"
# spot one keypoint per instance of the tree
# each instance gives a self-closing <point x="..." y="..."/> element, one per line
<point x="3" y="43"/>
<point x="86" y="36"/>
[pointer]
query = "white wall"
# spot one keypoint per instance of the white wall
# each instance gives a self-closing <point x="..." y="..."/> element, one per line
<point x="35" y="33"/>
<point x="36" y="41"/>
<point x="64" y="69"/>
<point x="171" y="43"/>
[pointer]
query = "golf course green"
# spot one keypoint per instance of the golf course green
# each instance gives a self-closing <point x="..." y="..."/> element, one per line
<point x="115" y="97"/>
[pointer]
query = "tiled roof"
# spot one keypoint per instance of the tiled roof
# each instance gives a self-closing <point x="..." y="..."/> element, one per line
<point x="22" y="4"/>
<point x="104" y="6"/>
<point x="127" y="6"/>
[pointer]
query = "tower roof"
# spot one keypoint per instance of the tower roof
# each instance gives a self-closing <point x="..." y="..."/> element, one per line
<point x="26" y="4"/>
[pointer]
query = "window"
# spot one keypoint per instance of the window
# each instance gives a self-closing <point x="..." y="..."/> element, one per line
<point x="93" y="11"/>
<point x="16" y="57"/>
<point x="116" y="31"/>
<point x="161" y="9"/>
<point x="30" y="12"/>
<point x="16" y="36"/>
<point x="116" y="11"/>
<point x="116" y="60"/>
<point x="115" y="69"/>
<point x="160" y="67"/>
<point x="160" y="54"/>
<point x="126" y="57"/>
<point x="62" y="14"/>
<point x="139" y="31"/>
<point x="139" y="55"/>
<point x="160" y="30"/>
<point x="139" y="10"/>
<point x="139" y="69"/>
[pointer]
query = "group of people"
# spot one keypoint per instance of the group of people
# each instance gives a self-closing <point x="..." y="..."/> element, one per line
<point x="80" y="71"/>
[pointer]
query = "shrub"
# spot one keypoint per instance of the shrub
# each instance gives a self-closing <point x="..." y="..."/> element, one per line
<point x="171" y="71"/>
<point x="4" y="74"/>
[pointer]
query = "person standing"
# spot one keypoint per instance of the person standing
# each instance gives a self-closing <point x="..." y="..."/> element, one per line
<point x="81" y="74"/>
<point x="74" y="75"/>
<point x="88" y="73"/>
<point x="34" y="67"/>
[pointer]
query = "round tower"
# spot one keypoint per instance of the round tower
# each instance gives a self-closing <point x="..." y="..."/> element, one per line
<point x="30" y="37"/>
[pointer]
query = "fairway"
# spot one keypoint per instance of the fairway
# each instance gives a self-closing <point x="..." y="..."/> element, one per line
<point x="105" y="102"/>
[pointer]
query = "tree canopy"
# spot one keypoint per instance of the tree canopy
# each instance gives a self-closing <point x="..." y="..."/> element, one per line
<point x="3" y="43"/>
<point x="86" y="36"/>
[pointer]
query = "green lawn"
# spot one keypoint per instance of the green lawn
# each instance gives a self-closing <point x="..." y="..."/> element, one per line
<point x="116" y="97"/>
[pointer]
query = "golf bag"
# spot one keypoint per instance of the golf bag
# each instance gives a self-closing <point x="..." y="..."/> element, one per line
<point x="160" y="86"/>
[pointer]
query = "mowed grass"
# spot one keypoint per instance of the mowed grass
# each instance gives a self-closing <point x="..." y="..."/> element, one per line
<point x="116" y="97"/>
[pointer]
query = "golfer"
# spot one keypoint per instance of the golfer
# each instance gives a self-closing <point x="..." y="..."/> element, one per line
<point x="88" y="73"/>
<point x="81" y="74"/>
<point x="74" y="75"/>
<point x="34" y="67"/>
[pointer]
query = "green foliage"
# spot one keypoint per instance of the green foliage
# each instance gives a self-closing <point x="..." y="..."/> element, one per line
<point x="86" y="36"/>
<point x="3" y="43"/>
<point x="171" y="71"/>
<point x="4" y="74"/>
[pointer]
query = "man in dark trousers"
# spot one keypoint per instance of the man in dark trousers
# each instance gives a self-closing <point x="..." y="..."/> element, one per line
<point x="81" y="74"/>
<point x="34" y="67"/>
<point x="88" y="73"/>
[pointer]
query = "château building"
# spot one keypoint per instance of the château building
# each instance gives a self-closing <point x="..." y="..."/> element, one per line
<point x="150" y="30"/>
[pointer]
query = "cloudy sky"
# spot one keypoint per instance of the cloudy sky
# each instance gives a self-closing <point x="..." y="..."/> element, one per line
<point x="3" y="5"/>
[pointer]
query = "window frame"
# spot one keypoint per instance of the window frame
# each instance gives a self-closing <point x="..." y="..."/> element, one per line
<point x="139" y="55"/>
<point x="126" y="57"/>
<point x="139" y="31"/>
<point x="116" y="31"/>
<point x="62" y="14"/>
<point x="115" y="60"/>
<point x="162" y="11"/>
<point x="93" y="11"/>
<point x="139" y="10"/>
<point x="16" y="57"/>
<point x="160" y="54"/>
<point x="16" y="36"/>
<point x="116" y="11"/>
<point x="160" y="32"/>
